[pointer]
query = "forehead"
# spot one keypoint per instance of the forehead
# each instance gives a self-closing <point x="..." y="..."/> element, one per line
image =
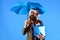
<point x="33" y="12"/>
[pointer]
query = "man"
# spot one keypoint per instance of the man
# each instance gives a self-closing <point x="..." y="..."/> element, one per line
<point x="36" y="14"/>
<point x="28" y="27"/>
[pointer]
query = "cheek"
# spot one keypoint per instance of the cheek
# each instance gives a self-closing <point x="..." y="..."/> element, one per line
<point x="31" y="14"/>
<point x="36" y="15"/>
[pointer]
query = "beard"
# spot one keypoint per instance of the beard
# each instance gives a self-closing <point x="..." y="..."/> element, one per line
<point x="33" y="18"/>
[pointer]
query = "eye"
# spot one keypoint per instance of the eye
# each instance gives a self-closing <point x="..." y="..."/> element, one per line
<point x="36" y="13"/>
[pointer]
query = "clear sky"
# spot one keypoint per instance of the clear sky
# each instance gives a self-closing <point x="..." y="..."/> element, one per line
<point x="11" y="24"/>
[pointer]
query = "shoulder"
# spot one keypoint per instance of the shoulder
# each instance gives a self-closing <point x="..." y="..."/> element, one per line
<point x="41" y="23"/>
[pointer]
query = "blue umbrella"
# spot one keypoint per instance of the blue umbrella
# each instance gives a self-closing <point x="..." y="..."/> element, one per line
<point x="24" y="8"/>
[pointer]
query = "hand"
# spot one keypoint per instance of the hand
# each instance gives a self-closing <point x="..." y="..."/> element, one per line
<point x="41" y="36"/>
<point x="27" y="22"/>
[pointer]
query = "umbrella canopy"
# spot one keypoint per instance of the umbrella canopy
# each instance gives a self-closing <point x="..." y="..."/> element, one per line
<point x="24" y="8"/>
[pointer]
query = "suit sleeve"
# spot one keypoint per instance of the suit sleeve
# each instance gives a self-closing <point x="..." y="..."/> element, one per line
<point x="25" y="30"/>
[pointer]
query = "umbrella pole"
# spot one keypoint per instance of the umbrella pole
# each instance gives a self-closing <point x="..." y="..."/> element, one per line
<point x="28" y="11"/>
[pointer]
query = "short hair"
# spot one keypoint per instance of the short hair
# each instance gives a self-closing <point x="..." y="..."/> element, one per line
<point x="35" y="11"/>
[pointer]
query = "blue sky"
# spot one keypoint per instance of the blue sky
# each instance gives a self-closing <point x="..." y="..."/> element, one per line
<point x="11" y="24"/>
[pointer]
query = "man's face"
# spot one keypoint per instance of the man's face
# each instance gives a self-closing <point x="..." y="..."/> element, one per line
<point x="32" y="17"/>
<point x="36" y="14"/>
